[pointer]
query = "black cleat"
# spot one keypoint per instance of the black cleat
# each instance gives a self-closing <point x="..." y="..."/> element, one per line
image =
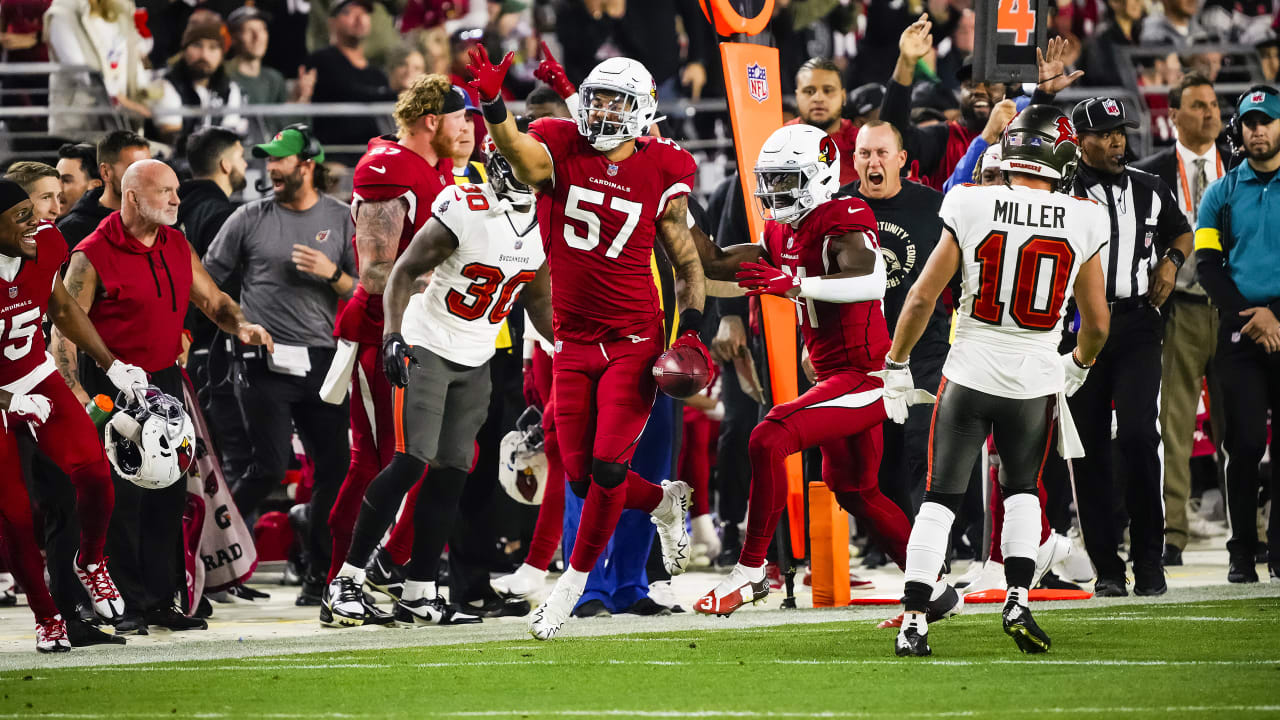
<point x="647" y="606"/>
<point x="311" y="594"/>
<point x="171" y="618"/>
<point x="133" y="623"/>
<point x="383" y="575"/>
<point x="343" y="604"/>
<point x="1019" y="625"/>
<point x="1242" y="571"/>
<point x="82" y="634"/>
<point x="592" y="609"/>
<point x="373" y="615"/>
<point x="1108" y="587"/>
<point x="1172" y="556"/>
<point x="912" y="643"/>
<point x="433" y="611"/>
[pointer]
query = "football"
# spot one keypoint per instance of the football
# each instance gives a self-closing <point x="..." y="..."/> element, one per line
<point x="681" y="372"/>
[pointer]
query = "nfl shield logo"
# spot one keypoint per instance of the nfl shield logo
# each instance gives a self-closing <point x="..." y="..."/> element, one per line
<point x="1112" y="107"/>
<point x="1149" y="239"/>
<point x="757" y="82"/>
<point x="1257" y="97"/>
<point x="13" y="293"/>
<point x="611" y="170"/>
<point x="519" y="244"/>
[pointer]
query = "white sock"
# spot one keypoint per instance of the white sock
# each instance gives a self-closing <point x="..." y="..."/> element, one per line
<point x="574" y="577"/>
<point x="1021" y="534"/>
<point x="351" y="571"/>
<point x="1017" y="595"/>
<point x="753" y="574"/>
<point x="927" y="546"/>
<point x="529" y="571"/>
<point x="419" y="589"/>
<point x="916" y="620"/>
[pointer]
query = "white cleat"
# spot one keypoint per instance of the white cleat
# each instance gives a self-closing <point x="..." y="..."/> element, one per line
<point x="95" y="579"/>
<point x="970" y="575"/>
<point x="1052" y="552"/>
<point x="670" y="516"/>
<point x="706" y="543"/>
<point x="555" y="610"/>
<point x="51" y="636"/>
<point x="1076" y="566"/>
<point x="526" y="582"/>
<point x="991" y="578"/>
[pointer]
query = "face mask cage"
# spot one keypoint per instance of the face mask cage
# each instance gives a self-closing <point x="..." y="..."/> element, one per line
<point x="604" y="113"/>
<point x="504" y="183"/>
<point x="781" y="194"/>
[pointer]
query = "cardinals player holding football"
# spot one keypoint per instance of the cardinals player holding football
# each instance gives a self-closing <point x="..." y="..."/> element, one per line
<point x="36" y="400"/>
<point x="606" y="192"/>
<point x="483" y="245"/>
<point x="395" y="184"/>
<point x="1021" y="248"/>
<point x="823" y="253"/>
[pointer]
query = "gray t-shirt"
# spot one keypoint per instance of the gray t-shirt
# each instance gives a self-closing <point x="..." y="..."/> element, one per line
<point x="297" y="308"/>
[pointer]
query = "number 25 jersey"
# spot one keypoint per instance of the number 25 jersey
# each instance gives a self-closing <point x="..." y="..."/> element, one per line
<point x="599" y="221"/>
<point x="1020" y="252"/>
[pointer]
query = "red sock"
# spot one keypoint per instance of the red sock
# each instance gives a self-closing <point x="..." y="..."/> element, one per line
<point x="997" y="519"/>
<point x="22" y="554"/>
<point x="600" y="513"/>
<point x="546" y="534"/>
<point x="400" y="542"/>
<point x="768" y="449"/>
<point x="95" y="498"/>
<point x="695" y="462"/>
<point x="642" y="494"/>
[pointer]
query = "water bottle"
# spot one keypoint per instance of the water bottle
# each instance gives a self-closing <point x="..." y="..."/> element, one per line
<point x="100" y="408"/>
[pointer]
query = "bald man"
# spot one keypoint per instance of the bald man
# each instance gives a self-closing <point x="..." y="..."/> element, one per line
<point x="134" y="277"/>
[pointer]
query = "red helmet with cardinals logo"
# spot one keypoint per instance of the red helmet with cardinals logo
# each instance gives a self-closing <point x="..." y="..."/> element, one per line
<point x="1041" y="141"/>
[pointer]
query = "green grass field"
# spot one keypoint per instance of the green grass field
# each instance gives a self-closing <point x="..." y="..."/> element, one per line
<point x="1218" y="659"/>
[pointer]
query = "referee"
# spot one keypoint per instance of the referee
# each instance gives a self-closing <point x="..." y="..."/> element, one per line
<point x="1150" y="240"/>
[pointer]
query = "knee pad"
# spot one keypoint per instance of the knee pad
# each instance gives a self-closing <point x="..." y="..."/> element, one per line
<point x="950" y="501"/>
<point x="608" y="475"/>
<point x="580" y="488"/>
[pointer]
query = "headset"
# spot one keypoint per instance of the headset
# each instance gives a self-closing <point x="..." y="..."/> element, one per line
<point x="1235" y="131"/>
<point x="311" y="150"/>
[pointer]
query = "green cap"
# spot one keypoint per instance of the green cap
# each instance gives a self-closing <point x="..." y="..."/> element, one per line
<point x="291" y="141"/>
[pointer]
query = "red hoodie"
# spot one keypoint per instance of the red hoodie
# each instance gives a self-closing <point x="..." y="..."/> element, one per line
<point x="143" y="295"/>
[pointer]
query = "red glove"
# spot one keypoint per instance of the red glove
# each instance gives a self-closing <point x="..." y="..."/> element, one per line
<point x="551" y="72"/>
<point x="531" y="396"/>
<point x="690" y="339"/>
<point x="764" y="279"/>
<point x="488" y="77"/>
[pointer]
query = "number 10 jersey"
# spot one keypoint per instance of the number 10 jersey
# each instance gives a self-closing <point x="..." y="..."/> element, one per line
<point x="1020" y="252"/>
<point x="599" y="221"/>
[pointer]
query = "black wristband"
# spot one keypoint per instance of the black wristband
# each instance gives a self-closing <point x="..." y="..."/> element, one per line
<point x="336" y="276"/>
<point x="690" y="319"/>
<point x="1176" y="257"/>
<point x="495" y="111"/>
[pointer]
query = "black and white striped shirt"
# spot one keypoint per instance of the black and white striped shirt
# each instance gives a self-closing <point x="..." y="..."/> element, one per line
<point x="1145" y="220"/>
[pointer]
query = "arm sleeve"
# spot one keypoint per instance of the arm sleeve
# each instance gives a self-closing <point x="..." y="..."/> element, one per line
<point x="924" y="145"/>
<point x="848" y="290"/>
<point x="964" y="172"/>
<point x="1211" y="261"/>
<point x="223" y="256"/>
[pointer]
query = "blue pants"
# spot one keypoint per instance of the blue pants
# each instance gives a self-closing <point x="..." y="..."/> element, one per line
<point x="619" y="578"/>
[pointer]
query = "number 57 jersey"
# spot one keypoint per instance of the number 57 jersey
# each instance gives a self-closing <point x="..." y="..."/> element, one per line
<point x="472" y="292"/>
<point x="1020" y="252"/>
<point x="599" y="221"/>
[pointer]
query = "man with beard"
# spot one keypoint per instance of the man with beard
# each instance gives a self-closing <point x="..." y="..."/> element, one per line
<point x="78" y="169"/>
<point x="1237" y="254"/>
<point x="117" y="150"/>
<point x="820" y="99"/>
<point x="344" y="74"/>
<point x="199" y="80"/>
<point x="218" y="172"/>
<point x="295" y="262"/>
<point x="937" y="149"/>
<point x="135" y="276"/>
<point x="394" y="185"/>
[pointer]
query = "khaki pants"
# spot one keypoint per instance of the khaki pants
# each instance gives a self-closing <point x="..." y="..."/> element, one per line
<point x="1190" y="339"/>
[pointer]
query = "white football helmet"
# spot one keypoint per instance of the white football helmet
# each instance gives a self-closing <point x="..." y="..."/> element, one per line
<point x="522" y="464"/>
<point x="151" y="441"/>
<point x="798" y="170"/>
<point x="621" y="93"/>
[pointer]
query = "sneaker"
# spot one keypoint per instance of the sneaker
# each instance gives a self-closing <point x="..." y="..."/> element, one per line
<point x="170" y="619"/>
<point x="132" y="624"/>
<point x="592" y="609"/>
<point x="1053" y="551"/>
<point x="51" y="636"/>
<point x="431" y="611"/>
<point x="991" y="578"/>
<point x="373" y="615"/>
<point x="1242" y="571"/>
<point x="649" y="607"/>
<point x="527" y="581"/>
<point x="732" y="593"/>
<point x="661" y="592"/>
<point x="555" y="610"/>
<point x="1110" y="587"/>
<point x="669" y="516"/>
<point x="1051" y="581"/>
<point x="311" y="594"/>
<point x="82" y="634"/>
<point x="706" y="543"/>
<point x="342" y="604"/>
<point x="970" y="576"/>
<point x="106" y="599"/>
<point x="1149" y="580"/>
<point x="495" y="607"/>
<point x="912" y="643"/>
<point x="8" y="594"/>
<point x="244" y="592"/>
<point x="383" y="575"/>
<point x="1077" y="567"/>
<point x="1019" y="625"/>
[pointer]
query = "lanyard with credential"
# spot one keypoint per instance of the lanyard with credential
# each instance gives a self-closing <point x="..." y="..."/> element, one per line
<point x="1186" y="186"/>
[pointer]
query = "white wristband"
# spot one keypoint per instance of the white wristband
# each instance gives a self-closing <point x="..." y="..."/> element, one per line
<point x="846" y="290"/>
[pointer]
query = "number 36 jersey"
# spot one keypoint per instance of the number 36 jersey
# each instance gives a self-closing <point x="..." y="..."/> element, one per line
<point x="599" y="220"/>
<point x="1021" y="250"/>
<point x="460" y="313"/>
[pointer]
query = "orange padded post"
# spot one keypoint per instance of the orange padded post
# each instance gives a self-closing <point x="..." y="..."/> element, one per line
<point x="828" y="548"/>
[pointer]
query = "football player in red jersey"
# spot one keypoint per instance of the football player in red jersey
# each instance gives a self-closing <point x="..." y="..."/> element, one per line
<point x="394" y="185"/>
<point x="606" y="191"/>
<point x="823" y="253"/>
<point x="36" y="400"/>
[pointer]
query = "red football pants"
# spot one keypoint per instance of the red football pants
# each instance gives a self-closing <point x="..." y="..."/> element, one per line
<point x="997" y="515"/>
<point x="71" y="441"/>
<point x="603" y="394"/>
<point x="841" y="415"/>
<point x="373" y="443"/>
<point x="695" y="458"/>
<point x="550" y="527"/>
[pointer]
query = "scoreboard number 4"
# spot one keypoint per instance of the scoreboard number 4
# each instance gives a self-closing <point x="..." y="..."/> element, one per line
<point x="1017" y="17"/>
<point x="1006" y="35"/>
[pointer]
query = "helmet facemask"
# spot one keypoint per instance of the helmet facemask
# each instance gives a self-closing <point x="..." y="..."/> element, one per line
<point x="786" y="196"/>
<point x="504" y="183"/>
<point x="608" y="117"/>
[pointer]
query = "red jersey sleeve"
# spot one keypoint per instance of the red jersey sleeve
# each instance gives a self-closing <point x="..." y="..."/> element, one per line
<point x="679" y="168"/>
<point x="51" y="246"/>
<point x="845" y="215"/>
<point x="558" y="135"/>
<point x="385" y="173"/>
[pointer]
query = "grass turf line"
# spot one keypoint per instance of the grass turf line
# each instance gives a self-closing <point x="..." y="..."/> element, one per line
<point x="1144" y="661"/>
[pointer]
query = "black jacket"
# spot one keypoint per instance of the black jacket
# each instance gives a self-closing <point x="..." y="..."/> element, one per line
<point x="203" y="210"/>
<point x="1164" y="164"/>
<point x="83" y="218"/>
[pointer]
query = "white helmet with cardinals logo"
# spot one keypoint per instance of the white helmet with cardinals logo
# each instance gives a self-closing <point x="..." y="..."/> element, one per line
<point x="151" y="441"/>
<point x="618" y="102"/>
<point x="522" y="462"/>
<point x="798" y="170"/>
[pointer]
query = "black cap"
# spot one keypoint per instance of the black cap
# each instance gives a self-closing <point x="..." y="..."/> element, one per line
<point x="244" y="14"/>
<point x="1100" y="114"/>
<point x="341" y="5"/>
<point x="865" y="98"/>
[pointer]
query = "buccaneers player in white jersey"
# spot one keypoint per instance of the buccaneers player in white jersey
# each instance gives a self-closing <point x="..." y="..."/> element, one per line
<point x="36" y="400"/>
<point x="606" y="192"/>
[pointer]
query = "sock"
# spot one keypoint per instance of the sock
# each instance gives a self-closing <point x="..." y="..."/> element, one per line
<point x="769" y="446"/>
<point x="642" y="494"/>
<point x="600" y="513"/>
<point x="352" y="571"/>
<point x="550" y="526"/>
<point x="381" y="501"/>
<point x="399" y="539"/>
<point x="1017" y="595"/>
<point x="575" y="578"/>
<point x="915" y="620"/>
<point x="915" y="596"/>
<point x="1021" y="533"/>
<point x="754" y="574"/>
<point x="532" y="572"/>
<point x="95" y="498"/>
<point x="1018" y="572"/>
<point x="419" y="589"/>
<point x="433" y="520"/>
<point x="926" y="550"/>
